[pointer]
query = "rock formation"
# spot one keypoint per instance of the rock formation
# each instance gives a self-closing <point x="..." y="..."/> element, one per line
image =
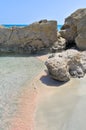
<point x="59" y="45"/>
<point x="34" y="37"/>
<point x="70" y="63"/>
<point x="44" y="34"/>
<point x="74" y="29"/>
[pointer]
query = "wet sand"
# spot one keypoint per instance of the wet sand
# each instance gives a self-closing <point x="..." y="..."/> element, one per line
<point x="15" y="74"/>
<point x="45" y="104"/>
<point x="24" y="119"/>
<point x="61" y="107"/>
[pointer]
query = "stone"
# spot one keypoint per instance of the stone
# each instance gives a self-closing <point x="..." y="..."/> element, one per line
<point x="74" y="29"/>
<point x="59" y="45"/>
<point x="58" y="68"/>
<point x="70" y="63"/>
<point x="29" y="39"/>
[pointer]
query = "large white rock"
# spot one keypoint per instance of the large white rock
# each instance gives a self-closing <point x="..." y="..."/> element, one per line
<point x="70" y="63"/>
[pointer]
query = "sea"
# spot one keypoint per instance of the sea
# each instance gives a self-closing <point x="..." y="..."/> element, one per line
<point x="23" y="25"/>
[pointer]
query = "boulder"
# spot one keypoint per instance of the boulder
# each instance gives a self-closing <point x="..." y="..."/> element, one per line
<point x="35" y="37"/>
<point x="70" y="63"/>
<point x="58" y="69"/>
<point x="74" y="29"/>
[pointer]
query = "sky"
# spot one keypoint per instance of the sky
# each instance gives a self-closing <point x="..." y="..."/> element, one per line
<point x="29" y="11"/>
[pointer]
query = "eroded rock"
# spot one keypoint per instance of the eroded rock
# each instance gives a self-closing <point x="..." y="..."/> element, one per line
<point x="59" y="45"/>
<point x="35" y="37"/>
<point x="74" y="29"/>
<point x="70" y="63"/>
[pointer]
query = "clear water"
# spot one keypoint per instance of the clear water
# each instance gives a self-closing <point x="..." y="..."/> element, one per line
<point x="59" y="27"/>
<point x="14" y="25"/>
<point x="15" y="72"/>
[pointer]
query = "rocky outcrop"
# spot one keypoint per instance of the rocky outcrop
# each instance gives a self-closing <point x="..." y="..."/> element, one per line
<point x="59" y="45"/>
<point x="34" y="37"/>
<point x="70" y="63"/>
<point x="74" y="29"/>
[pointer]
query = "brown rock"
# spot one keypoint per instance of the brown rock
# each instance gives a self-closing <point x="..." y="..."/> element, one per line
<point x="59" y="45"/>
<point x="74" y="29"/>
<point x="28" y="39"/>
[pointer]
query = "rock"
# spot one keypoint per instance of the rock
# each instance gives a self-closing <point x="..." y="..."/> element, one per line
<point x="83" y="61"/>
<point x="58" y="69"/>
<point x="29" y="39"/>
<point x="74" y="29"/>
<point x="70" y="63"/>
<point x="59" y="45"/>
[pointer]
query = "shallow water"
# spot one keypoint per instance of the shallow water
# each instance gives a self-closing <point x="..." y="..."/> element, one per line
<point x="14" y="73"/>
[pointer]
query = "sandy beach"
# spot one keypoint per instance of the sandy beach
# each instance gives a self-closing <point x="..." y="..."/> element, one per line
<point x="42" y="65"/>
<point x="61" y="106"/>
<point x="15" y="74"/>
<point x="41" y="103"/>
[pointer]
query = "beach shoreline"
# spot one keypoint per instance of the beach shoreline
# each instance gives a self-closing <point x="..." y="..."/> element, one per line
<point x="42" y="102"/>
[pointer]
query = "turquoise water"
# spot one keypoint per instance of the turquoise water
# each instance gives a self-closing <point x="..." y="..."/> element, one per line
<point x="59" y="27"/>
<point x="23" y="25"/>
<point x="13" y="25"/>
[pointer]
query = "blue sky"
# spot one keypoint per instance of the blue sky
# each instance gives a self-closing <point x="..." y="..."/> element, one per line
<point x="28" y="11"/>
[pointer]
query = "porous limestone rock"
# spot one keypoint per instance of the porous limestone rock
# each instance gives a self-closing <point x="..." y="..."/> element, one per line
<point x="59" y="45"/>
<point x="58" y="69"/>
<point x="70" y="63"/>
<point x="74" y="29"/>
<point x="34" y="37"/>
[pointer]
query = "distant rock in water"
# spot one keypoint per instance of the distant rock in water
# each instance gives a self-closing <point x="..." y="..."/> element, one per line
<point x="74" y="29"/>
<point x="29" y="39"/>
<point x="70" y="63"/>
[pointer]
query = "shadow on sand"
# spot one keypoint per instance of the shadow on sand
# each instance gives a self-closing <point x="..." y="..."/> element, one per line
<point x="46" y="79"/>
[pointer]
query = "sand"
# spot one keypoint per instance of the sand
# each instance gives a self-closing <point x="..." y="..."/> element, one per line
<point x="45" y="104"/>
<point x="15" y="72"/>
<point x="60" y="106"/>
